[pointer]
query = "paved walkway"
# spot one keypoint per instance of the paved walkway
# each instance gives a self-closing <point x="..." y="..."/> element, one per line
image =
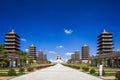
<point x="6" y="78"/>
<point x="57" y="72"/>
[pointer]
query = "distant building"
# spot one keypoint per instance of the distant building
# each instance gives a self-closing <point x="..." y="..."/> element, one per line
<point x="105" y="42"/>
<point x="85" y="53"/>
<point x="58" y="59"/>
<point x="44" y="58"/>
<point x="32" y="52"/>
<point x="58" y="56"/>
<point x="77" y="55"/>
<point x="12" y="47"/>
<point x="40" y="56"/>
<point x="73" y="58"/>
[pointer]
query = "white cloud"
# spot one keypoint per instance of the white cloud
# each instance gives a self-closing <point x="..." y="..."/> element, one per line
<point x="59" y="46"/>
<point x="68" y="53"/>
<point x="68" y="31"/>
<point x="23" y="39"/>
<point x="26" y="50"/>
<point x="52" y="52"/>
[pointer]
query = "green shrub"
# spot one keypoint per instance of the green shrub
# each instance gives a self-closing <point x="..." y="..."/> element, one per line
<point x="21" y="70"/>
<point x="11" y="72"/>
<point x="92" y="71"/>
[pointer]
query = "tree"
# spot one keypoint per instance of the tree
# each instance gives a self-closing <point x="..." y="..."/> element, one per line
<point x="30" y="60"/>
<point x="22" y="57"/>
<point x="3" y="56"/>
<point x="69" y="61"/>
<point x="99" y="59"/>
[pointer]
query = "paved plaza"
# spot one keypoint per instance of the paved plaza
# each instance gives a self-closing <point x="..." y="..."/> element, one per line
<point x="57" y="72"/>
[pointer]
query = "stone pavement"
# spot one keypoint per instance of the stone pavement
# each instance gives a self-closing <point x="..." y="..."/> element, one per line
<point x="57" y="72"/>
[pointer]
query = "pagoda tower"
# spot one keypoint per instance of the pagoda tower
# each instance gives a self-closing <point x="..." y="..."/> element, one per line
<point x="105" y="42"/>
<point x="32" y="52"/>
<point x="12" y="41"/>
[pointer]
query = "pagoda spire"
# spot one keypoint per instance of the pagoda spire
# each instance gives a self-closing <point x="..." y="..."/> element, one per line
<point x="105" y="32"/>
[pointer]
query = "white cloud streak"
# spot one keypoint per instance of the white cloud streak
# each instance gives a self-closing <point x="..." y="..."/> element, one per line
<point x="68" y="53"/>
<point x="59" y="46"/>
<point x="26" y="50"/>
<point x="23" y="39"/>
<point x="68" y="31"/>
<point x="52" y="52"/>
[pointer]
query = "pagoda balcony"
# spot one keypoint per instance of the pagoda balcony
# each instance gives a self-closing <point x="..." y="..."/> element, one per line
<point x="11" y="40"/>
<point x="11" y="36"/>
<point x="107" y="43"/>
<point x="107" y="47"/>
<point x="11" y="50"/>
<point x="11" y="47"/>
<point x="100" y="42"/>
<point x="107" y="50"/>
<point x="106" y="39"/>
<point x="10" y="43"/>
<point x="105" y="36"/>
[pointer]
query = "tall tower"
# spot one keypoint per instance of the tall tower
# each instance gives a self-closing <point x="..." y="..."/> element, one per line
<point x="44" y="58"/>
<point x="105" y="42"/>
<point x="77" y="55"/>
<point x="72" y="58"/>
<point x="85" y="52"/>
<point x="40" y="55"/>
<point x="32" y="52"/>
<point x="12" y="44"/>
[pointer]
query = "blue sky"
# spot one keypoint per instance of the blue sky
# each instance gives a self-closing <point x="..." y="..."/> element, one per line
<point x="60" y="26"/>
